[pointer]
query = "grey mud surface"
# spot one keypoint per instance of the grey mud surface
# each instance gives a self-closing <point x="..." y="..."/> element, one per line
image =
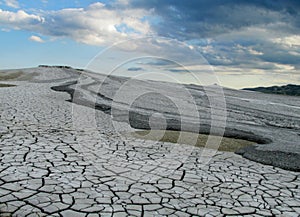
<point x="272" y="121"/>
<point x="52" y="165"/>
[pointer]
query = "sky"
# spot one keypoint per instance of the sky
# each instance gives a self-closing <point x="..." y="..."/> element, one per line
<point x="238" y="43"/>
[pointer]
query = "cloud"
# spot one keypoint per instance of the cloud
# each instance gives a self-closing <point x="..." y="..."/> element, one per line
<point x="262" y="35"/>
<point x="205" y="18"/>
<point x="255" y="52"/>
<point x="290" y="41"/>
<point x="135" y="69"/>
<point x="98" y="23"/>
<point x="159" y="63"/>
<point x="20" y="20"/>
<point x="95" y="25"/>
<point x="254" y="36"/>
<point x="251" y="46"/>
<point x="12" y="3"/>
<point x="178" y="70"/>
<point x="36" y="39"/>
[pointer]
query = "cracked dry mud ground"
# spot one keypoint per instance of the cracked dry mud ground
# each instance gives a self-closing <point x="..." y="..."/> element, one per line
<point x="47" y="168"/>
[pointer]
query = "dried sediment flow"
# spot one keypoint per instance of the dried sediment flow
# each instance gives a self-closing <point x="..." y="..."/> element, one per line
<point x="271" y="121"/>
<point x="48" y="168"/>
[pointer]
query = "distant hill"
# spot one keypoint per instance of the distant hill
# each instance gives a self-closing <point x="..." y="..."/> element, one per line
<point x="290" y="89"/>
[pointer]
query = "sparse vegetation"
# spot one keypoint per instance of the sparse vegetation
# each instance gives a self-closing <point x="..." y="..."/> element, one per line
<point x="5" y="76"/>
<point x="16" y="76"/>
<point x="59" y="67"/>
<point x="290" y="89"/>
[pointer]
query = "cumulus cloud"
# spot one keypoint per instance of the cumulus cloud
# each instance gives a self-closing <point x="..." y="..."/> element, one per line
<point x="12" y="3"/>
<point x="246" y="35"/>
<point x="20" y="20"/>
<point x="36" y="39"/>
<point x="255" y="52"/>
<point x="96" y="25"/>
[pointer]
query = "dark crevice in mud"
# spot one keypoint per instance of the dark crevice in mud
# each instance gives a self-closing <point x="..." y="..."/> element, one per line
<point x="284" y="160"/>
<point x="66" y="88"/>
<point x="7" y="85"/>
<point x="240" y="134"/>
<point x="141" y="121"/>
<point x="79" y="99"/>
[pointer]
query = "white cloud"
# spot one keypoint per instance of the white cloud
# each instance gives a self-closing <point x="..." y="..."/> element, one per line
<point x="36" y="39"/>
<point x="20" y="20"/>
<point x="12" y="3"/>
<point x="290" y="41"/>
<point x="284" y="67"/>
<point x="96" y="5"/>
<point x="255" y="52"/>
<point x="95" y="25"/>
<point x="122" y="2"/>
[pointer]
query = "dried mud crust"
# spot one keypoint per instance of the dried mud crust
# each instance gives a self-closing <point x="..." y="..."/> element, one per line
<point x="273" y="131"/>
<point x="48" y="168"/>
